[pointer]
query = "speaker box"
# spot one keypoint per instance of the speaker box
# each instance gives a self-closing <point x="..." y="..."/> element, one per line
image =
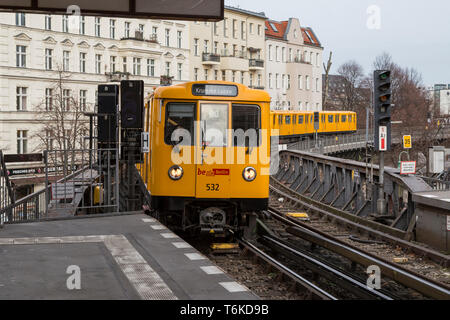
<point x="108" y="99"/>
<point x="132" y="104"/>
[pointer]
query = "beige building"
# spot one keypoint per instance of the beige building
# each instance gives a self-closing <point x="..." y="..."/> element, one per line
<point x="230" y="50"/>
<point x="293" y="66"/>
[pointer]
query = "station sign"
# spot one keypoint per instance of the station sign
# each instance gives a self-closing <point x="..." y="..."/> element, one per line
<point x="407" y="142"/>
<point x="382" y="138"/>
<point x="145" y="142"/>
<point x="163" y="9"/>
<point x="408" y="167"/>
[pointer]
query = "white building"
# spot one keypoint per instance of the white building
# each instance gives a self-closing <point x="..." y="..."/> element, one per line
<point x="293" y="66"/>
<point x="90" y="51"/>
<point x="229" y="50"/>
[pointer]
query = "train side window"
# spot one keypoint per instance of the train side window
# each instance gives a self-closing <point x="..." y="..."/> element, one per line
<point x="179" y="116"/>
<point x="306" y="118"/>
<point x="344" y="118"/>
<point x="350" y="118"/>
<point x="248" y="119"/>
<point x="273" y="119"/>
<point x="336" y="118"/>
<point x="287" y="119"/>
<point x="300" y="119"/>
<point x="280" y="119"/>
<point x="330" y="119"/>
<point x="294" y="120"/>
<point x="312" y="119"/>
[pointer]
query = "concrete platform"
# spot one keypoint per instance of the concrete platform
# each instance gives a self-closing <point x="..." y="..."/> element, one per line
<point x="116" y="257"/>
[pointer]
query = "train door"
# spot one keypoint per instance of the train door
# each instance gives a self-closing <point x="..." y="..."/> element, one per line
<point x="213" y="174"/>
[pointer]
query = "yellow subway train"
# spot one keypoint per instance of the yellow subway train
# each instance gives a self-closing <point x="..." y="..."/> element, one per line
<point x="209" y="161"/>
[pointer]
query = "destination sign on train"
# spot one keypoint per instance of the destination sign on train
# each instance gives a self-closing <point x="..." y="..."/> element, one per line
<point x="169" y="9"/>
<point x="214" y="90"/>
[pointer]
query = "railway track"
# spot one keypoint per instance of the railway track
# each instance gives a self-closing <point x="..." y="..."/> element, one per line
<point x="345" y="264"/>
<point x="296" y="200"/>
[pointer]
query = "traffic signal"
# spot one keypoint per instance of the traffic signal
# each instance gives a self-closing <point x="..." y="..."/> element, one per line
<point x="382" y="113"/>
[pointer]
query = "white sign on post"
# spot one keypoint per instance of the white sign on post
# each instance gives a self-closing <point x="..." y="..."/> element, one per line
<point x="408" y="167"/>
<point x="145" y="142"/>
<point x="383" y="138"/>
<point x="61" y="191"/>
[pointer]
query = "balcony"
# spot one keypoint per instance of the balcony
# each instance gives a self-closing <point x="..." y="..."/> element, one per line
<point x="236" y="60"/>
<point x="298" y="59"/>
<point x="210" y="59"/>
<point x="255" y="64"/>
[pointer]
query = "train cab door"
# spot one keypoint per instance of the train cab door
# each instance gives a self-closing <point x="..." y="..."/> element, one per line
<point x="213" y="138"/>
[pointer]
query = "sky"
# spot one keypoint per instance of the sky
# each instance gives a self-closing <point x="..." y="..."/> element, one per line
<point x="416" y="33"/>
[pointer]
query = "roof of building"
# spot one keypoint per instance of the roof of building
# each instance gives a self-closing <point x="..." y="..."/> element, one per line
<point x="278" y="30"/>
<point x="252" y="13"/>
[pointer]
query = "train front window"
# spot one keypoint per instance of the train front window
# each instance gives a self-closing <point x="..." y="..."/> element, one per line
<point x="213" y="124"/>
<point x="246" y="123"/>
<point x="179" y="116"/>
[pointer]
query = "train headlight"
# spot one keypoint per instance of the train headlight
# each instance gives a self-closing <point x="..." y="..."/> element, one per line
<point x="249" y="174"/>
<point x="175" y="172"/>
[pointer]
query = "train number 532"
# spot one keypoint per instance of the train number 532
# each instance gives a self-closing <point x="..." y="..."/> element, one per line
<point x="212" y="187"/>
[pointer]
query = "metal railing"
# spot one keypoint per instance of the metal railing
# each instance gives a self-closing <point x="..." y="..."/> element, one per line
<point x="437" y="184"/>
<point x="210" y="57"/>
<point x="332" y="144"/>
<point x="256" y="63"/>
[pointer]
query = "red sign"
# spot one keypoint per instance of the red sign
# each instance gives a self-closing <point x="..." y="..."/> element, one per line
<point x="213" y="172"/>
<point x="408" y="167"/>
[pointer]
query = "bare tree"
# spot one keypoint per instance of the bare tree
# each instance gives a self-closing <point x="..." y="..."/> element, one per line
<point x="63" y="123"/>
<point x="352" y="75"/>
<point x="327" y="80"/>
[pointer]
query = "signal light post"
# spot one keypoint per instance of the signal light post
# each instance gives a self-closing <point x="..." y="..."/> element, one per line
<point x="382" y="127"/>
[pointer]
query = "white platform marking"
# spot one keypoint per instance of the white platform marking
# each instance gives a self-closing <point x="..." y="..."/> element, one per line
<point x="182" y="245"/>
<point x="233" y="286"/>
<point x="429" y="196"/>
<point x="145" y="280"/>
<point x="194" y="256"/>
<point x="169" y="235"/>
<point x="211" y="270"/>
<point x="158" y="227"/>
<point x="149" y="220"/>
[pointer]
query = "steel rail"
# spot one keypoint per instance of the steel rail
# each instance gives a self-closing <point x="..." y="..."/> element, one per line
<point x="410" y="279"/>
<point x="311" y="287"/>
<point x="358" y="225"/>
<point x="327" y="271"/>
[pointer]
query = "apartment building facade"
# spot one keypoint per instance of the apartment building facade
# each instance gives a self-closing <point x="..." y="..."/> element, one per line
<point x="229" y="50"/>
<point x="293" y="66"/>
<point x="36" y="49"/>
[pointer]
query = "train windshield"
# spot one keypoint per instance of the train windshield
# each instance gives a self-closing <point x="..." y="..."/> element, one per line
<point x="180" y="116"/>
<point x="246" y="125"/>
<point x="214" y="124"/>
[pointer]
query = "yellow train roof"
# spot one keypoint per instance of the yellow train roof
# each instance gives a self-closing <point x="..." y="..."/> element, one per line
<point x="184" y="91"/>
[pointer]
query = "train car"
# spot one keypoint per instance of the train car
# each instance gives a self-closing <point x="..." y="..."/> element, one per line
<point x="298" y="124"/>
<point x="209" y="160"/>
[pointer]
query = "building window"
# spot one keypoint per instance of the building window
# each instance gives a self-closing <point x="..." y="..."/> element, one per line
<point x="225" y="27"/>
<point x="112" y="28"/>
<point x="243" y="30"/>
<point x="154" y="32"/>
<point x="270" y="52"/>
<point x="137" y="66"/>
<point x="259" y="29"/>
<point x="48" y="22"/>
<point x="179" y="38"/>
<point x="82" y="62"/>
<point x="216" y="47"/>
<point x="127" y="30"/>
<point x="83" y="95"/>
<point x="151" y="67"/>
<point x="65" y="23"/>
<point x="48" y="59"/>
<point x="168" y="69"/>
<point x="233" y="79"/>
<point x="234" y="28"/>
<point x="66" y="100"/>
<point x="290" y="55"/>
<point x="216" y="75"/>
<point x="242" y="77"/>
<point x="180" y="70"/>
<point x="66" y="60"/>
<point x="195" y="74"/>
<point x="317" y="84"/>
<point x="277" y="82"/>
<point x="48" y="99"/>
<point x="251" y="28"/>
<point x="124" y="64"/>
<point x="277" y="57"/>
<point x="251" y="80"/>
<point x="206" y="74"/>
<point x="259" y="80"/>
<point x="82" y="25"/>
<point x="206" y="46"/>
<point x="49" y="140"/>
<point x="141" y="28"/>
<point x="112" y="64"/>
<point x="21" y="56"/>
<point x="300" y="82"/>
<point x="307" y="82"/>
<point x="270" y="81"/>
<point x="21" y="98"/>
<point x="317" y="60"/>
<point x="196" y="47"/>
<point x="224" y="75"/>
<point x="98" y="63"/>
<point x="22" y="141"/>
<point x="288" y="82"/>
<point x="283" y="54"/>
<point x="167" y="37"/>
<point x="283" y="81"/>
<point x="215" y="28"/>
<point x="20" y="19"/>
<point x="97" y="27"/>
